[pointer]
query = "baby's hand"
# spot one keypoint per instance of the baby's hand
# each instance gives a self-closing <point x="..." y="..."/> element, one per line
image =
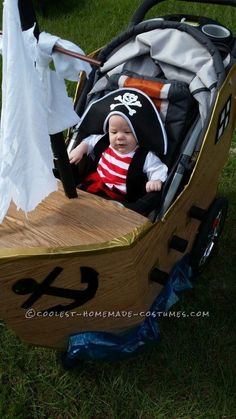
<point x="75" y="156"/>
<point x="77" y="153"/>
<point x="153" y="185"/>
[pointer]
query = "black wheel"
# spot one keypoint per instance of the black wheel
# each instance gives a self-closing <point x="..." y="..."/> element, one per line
<point x="206" y="241"/>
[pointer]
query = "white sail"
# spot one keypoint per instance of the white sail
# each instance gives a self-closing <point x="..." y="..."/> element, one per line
<point x="34" y="105"/>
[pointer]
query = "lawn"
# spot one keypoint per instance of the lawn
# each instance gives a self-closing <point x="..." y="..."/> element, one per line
<point x="191" y="373"/>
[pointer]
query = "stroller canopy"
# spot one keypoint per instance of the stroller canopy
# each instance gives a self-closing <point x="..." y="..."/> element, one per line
<point x="170" y="50"/>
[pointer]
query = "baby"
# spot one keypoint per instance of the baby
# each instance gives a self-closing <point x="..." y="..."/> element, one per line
<point x="125" y="169"/>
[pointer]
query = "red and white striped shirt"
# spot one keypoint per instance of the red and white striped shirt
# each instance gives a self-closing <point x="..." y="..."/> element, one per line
<point x="113" y="166"/>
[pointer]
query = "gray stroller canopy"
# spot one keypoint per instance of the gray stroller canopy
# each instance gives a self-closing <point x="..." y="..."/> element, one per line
<point x="171" y="49"/>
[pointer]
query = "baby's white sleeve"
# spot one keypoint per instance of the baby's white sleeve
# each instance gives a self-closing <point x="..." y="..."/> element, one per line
<point x="92" y="141"/>
<point x="154" y="168"/>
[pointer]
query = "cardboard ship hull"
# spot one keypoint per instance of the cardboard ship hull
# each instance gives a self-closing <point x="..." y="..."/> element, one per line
<point x="84" y="264"/>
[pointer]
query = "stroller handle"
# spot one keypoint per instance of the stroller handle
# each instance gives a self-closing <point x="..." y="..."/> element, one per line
<point x="148" y="4"/>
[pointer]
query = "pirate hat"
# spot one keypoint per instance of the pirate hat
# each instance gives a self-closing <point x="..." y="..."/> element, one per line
<point x="138" y="110"/>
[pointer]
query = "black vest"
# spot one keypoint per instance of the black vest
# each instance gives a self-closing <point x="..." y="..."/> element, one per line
<point x="136" y="180"/>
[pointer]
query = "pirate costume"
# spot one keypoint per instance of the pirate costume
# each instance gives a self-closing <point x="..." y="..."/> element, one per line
<point x="115" y="175"/>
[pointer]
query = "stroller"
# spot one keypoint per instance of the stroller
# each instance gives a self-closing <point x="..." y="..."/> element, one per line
<point x="149" y="56"/>
<point x="134" y="263"/>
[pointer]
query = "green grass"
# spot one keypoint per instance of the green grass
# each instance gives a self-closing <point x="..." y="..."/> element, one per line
<point x="191" y="373"/>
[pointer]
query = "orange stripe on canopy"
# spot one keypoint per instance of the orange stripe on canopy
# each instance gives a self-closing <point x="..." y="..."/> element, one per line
<point x="151" y="88"/>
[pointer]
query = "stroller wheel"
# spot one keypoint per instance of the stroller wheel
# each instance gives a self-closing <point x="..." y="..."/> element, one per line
<point x="206" y="242"/>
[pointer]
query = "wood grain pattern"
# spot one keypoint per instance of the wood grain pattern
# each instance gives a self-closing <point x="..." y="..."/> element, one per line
<point x="59" y="222"/>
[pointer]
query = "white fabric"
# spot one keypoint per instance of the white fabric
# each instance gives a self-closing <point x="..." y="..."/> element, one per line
<point x="45" y="45"/>
<point x="61" y="114"/>
<point x="34" y="105"/>
<point x="153" y="166"/>
<point x="92" y="141"/>
<point x="26" y="159"/>
<point x="66" y="67"/>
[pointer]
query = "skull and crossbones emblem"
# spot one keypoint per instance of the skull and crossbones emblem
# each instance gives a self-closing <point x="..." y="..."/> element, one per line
<point x="127" y="100"/>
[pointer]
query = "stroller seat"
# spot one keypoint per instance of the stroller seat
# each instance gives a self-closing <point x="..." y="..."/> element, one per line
<point x="181" y="70"/>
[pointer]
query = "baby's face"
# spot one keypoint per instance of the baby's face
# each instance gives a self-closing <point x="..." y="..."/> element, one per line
<point x="121" y="137"/>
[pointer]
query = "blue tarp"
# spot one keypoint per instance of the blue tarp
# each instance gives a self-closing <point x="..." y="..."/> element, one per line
<point x="108" y="346"/>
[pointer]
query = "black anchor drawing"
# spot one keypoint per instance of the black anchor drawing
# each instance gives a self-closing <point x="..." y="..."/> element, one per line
<point x="26" y="286"/>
